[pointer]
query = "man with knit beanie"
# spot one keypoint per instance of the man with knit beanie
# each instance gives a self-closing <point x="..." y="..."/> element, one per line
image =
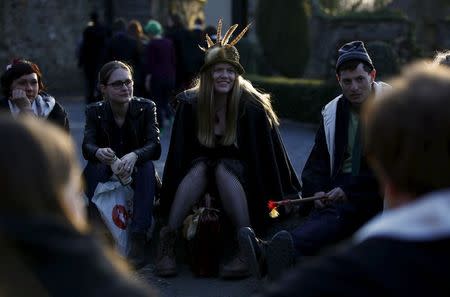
<point x="404" y="250"/>
<point x="336" y="170"/>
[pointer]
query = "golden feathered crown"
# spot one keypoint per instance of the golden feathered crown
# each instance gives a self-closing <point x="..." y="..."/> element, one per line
<point x="223" y="51"/>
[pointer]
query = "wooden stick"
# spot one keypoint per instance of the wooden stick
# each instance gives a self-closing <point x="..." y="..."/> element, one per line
<point x="299" y="200"/>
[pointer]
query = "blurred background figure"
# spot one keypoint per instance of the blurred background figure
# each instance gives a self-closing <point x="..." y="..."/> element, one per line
<point x="211" y="31"/>
<point x="192" y="56"/>
<point x="23" y="92"/>
<point x="160" y="70"/>
<point x="136" y="31"/>
<point x="121" y="46"/>
<point x="92" y="54"/>
<point x="45" y="245"/>
<point x="442" y="58"/>
<point x="178" y="34"/>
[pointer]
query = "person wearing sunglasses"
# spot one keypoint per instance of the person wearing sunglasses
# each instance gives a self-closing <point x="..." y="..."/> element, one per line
<point x="123" y="126"/>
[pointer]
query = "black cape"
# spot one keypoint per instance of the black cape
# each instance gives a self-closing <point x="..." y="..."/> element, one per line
<point x="270" y="175"/>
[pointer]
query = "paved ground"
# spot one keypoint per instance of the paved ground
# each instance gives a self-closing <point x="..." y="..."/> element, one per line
<point x="298" y="139"/>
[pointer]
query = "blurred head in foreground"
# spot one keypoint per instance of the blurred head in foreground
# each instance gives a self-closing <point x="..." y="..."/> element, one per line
<point x="408" y="134"/>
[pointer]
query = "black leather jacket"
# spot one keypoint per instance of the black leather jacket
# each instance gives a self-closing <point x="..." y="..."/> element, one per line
<point x="142" y="134"/>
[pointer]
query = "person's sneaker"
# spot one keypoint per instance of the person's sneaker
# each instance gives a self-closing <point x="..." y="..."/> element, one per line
<point x="254" y="250"/>
<point x="280" y="255"/>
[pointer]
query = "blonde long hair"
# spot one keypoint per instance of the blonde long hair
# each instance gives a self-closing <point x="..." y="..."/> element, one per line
<point x="206" y="108"/>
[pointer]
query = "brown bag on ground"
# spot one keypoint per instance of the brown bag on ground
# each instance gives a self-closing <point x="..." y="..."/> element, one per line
<point x="202" y="230"/>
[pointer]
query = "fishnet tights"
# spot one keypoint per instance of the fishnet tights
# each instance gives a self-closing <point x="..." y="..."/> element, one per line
<point x="194" y="185"/>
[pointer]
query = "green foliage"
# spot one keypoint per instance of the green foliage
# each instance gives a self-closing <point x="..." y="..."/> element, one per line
<point x="370" y="16"/>
<point x="297" y="99"/>
<point x="359" y="10"/>
<point x="345" y="6"/>
<point x="251" y="56"/>
<point x="329" y="6"/>
<point x="384" y="58"/>
<point x="282" y="29"/>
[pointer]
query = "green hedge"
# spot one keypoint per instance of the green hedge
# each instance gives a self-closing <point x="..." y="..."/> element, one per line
<point x="297" y="99"/>
<point x="282" y="30"/>
<point x="383" y="15"/>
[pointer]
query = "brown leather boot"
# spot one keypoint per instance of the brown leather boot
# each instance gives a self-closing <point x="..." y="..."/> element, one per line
<point x="136" y="256"/>
<point x="236" y="268"/>
<point x="165" y="259"/>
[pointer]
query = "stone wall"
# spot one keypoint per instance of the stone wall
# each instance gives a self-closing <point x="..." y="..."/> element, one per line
<point x="421" y="32"/>
<point x="328" y="34"/>
<point x="47" y="32"/>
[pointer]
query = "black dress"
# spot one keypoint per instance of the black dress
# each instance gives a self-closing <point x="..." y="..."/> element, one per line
<point x="258" y="158"/>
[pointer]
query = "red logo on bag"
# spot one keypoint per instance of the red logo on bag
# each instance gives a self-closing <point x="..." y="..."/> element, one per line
<point x="120" y="216"/>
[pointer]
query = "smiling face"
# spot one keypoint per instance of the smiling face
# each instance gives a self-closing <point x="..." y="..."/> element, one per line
<point x="224" y="76"/>
<point x="28" y="83"/>
<point x="356" y="84"/>
<point x="119" y="86"/>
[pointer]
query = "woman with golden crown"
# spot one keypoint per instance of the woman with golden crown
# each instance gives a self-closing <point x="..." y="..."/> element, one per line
<point x="225" y="142"/>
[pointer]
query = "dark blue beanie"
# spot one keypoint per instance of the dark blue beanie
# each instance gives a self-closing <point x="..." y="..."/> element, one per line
<point x="354" y="50"/>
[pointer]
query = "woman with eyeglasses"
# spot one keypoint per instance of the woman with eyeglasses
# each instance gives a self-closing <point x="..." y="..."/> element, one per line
<point x="123" y="126"/>
<point x="23" y="91"/>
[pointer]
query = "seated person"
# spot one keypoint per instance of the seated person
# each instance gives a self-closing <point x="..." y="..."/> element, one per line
<point x="125" y="127"/>
<point x="45" y="242"/>
<point x="404" y="250"/>
<point x="23" y="91"/>
<point x="225" y="133"/>
<point x="336" y="169"/>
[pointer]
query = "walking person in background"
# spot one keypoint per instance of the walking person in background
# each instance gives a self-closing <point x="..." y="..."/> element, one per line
<point x="46" y="246"/>
<point x="225" y="140"/>
<point x="24" y="93"/>
<point x="160" y="70"/>
<point x="404" y="250"/>
<point x="92" y="54"/>
<point x="211" y="32"/>
<point x="125" y="127"/>
<point x="192" y="56"/>
<point x="135" y="30"/>
<point x="121" y="46"/>
<point x="178" y="34"/>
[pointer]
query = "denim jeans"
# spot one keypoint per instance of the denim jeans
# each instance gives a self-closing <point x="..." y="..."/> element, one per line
<point x="324" y="227"/>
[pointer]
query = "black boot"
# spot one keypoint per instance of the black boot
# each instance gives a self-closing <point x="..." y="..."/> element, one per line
<point x="136" y="256"/>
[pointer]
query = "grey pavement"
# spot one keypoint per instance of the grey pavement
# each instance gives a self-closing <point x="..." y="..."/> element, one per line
<point x="298" y="139"/>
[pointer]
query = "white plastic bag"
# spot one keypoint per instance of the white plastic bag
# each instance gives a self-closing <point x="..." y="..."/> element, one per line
<point x="115" y="204"/>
